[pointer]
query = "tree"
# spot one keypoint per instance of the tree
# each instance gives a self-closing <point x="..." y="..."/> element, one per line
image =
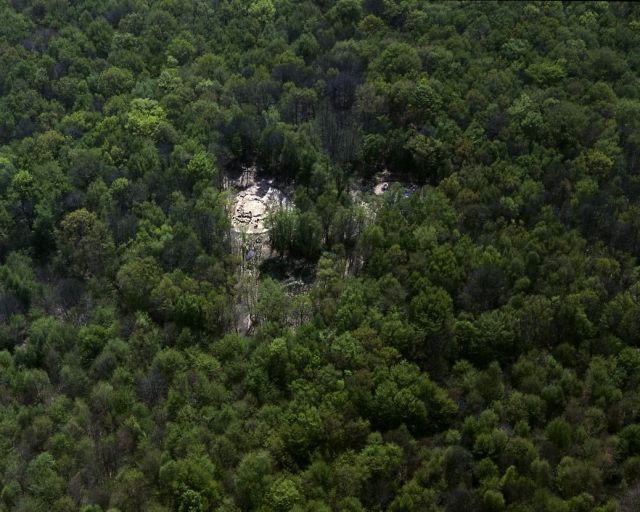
<point x="254" y="478"/>
<point x="432" y="310"/>
<point x="283" y="495"/>
<point x="190" y="482"/>
<point x="262" y="10"/>
<point x="575" y="476"/>
<point x="282" y="225"/>
<point x="129" y="493"/>
<point x="136" y="279"/>
<point x="85" y="244"/>
<point x="115" y="80"/>
<point x="42" y="480"/>
<point x="559" y="433"/>
<point x="272" y="304"/>
<point x="145" y="117"/>
<point x="201" y="168"/>
<point x="397" y="59"/>
<point x="308" y="235"/>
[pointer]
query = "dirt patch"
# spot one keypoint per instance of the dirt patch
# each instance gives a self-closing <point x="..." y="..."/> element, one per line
<point x="383" y="181"/>
<point x="254" y="204"/>
<point x="380" y="188"/>
<point x="255" y="199"/>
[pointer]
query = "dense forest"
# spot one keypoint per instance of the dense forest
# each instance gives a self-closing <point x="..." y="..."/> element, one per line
<point x="471" y="346"/>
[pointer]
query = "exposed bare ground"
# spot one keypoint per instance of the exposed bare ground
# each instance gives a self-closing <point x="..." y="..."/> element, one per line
<point x="254" y="204"/>
<point x="254" y="201"/>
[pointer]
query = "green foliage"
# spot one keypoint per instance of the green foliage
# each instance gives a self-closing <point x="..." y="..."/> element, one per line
<point x="201" y="167"/>
<point x="136" y="279"/>
<point x="396" y="60"/>
<point x="85" y="244"/>
<point x="283" y="495"/>
<point x="465" y="340"/>
<point x="253" y="478"/>
<point x="262" y="10"/>
<point x="145" y="117"/>
<point x="191" y="483"/>
<point x="282" y="228"/>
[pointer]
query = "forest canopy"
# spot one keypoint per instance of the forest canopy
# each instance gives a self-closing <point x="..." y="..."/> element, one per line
<point x="467" y="340"/>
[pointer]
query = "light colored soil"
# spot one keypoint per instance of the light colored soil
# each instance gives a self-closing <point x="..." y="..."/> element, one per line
<point x="253" y="205"/>
<point x="380" y="188"/>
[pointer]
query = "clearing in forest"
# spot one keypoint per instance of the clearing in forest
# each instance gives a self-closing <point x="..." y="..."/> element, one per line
<point x="253" y="205"/>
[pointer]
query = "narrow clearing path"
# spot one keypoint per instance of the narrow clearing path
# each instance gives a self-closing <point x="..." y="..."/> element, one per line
<point x="255" y="198"/>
